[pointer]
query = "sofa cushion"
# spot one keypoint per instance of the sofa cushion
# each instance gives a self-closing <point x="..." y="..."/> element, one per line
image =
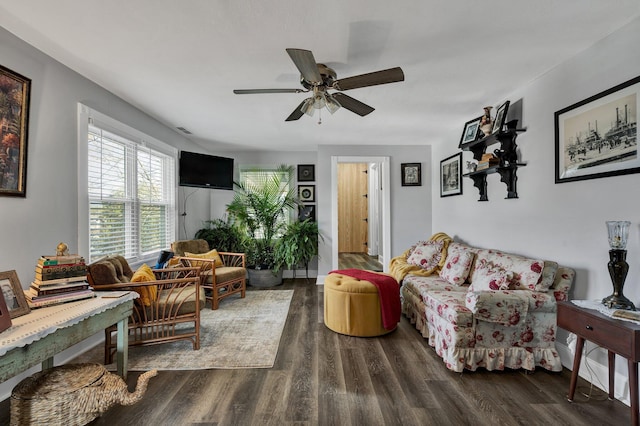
<point x="490" y="277"/>
<point x="450" y="306"/>
<point x="426" y="254"/>
<point x="548" y="276"/>
<point x="457" y="266"/>
<point x="212" y="254"/>
<point x="526" y="272"/>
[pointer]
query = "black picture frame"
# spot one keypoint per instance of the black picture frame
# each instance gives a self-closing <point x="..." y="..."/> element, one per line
<point x="598" y="136"/>
<point x="306" y="172"/>
<point x="501" y="116"/>
<point x="451" y="176"/>
<point x="13" y="138"/>
<point x="471" y="131"/>
<point x="307" y="193"/>
<point x="411" y="174"/>
<point x="307" y="212"/>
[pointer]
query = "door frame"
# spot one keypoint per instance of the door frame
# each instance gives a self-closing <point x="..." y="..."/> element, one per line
<point x="386" y="205"/>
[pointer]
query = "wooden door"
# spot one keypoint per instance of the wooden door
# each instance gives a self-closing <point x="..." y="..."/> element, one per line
<point x="352" y="207"/>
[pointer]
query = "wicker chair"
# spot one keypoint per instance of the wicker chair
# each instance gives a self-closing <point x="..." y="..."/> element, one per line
<point x="218" y="281"/>
<point x="153" y="320"/>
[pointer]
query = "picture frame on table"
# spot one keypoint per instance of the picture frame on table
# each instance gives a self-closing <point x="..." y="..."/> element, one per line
<point x="501" y="116"/>
<point x="306" y="172"/>
<point x="307" y="212"/>
<point x="598" y="136"/>
<point x="16" y="89"/>
<point x="307" y="193"/>
<point x="451" y="175"/>
<point x="411" y="174"/>
<point x="13" y="294"/>
<point x="471" y="131"/>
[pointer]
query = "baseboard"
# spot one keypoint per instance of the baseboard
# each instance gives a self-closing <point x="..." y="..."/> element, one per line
<point x="594" y="372"/>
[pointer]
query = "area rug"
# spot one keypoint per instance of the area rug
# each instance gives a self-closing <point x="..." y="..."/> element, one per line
<point x="241" y="333"/>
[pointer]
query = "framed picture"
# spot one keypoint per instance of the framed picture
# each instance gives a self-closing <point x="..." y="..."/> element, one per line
<point x="306" y="172"/>
<point x="501" y="115"/>
<point x="598" y="137"/>
<point x="307" y="193"/>
<point x="14" y="89"/>
<point x="411" y="174"/>
<point x="307" y="212"/>
<point x="451" y="175"/>
<point x="471" y="130"/>
<point x="13" y="294"/>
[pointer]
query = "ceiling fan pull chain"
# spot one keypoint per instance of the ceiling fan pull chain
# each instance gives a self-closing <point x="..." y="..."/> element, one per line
<point x="320" y="116"/>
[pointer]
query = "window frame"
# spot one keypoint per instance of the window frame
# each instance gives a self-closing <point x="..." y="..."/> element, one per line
<point x="142" y="141"/>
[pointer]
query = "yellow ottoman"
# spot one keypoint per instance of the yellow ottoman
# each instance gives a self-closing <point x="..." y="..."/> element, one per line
<point x="352" y="306"/>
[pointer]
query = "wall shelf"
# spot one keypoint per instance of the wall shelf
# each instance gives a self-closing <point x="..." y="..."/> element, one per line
<point x="508" y="167"/>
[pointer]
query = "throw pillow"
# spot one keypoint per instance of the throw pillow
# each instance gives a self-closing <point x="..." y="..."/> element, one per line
<point x="548" y="276"/>
<point x="490" y="277"/>
<point x="148" y="294"/>
<point x="426" y="255"/>
<point x="457" y="266"/>
<point x="213" y="254"/>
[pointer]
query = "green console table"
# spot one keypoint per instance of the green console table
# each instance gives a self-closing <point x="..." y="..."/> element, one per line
<point x="36" y="337"/>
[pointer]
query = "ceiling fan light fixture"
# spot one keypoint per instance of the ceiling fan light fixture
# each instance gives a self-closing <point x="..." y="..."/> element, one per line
<point x="331" y="104"/>
<point x="308" y="107"/>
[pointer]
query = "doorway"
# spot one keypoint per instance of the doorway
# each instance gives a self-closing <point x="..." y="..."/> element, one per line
<point x="360" y="245"/>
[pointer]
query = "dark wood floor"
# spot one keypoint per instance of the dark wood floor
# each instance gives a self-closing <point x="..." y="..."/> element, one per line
<point x="323" y="378"/>
<point x="359" y="261"/>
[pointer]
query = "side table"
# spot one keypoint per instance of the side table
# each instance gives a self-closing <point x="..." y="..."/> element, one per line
<point x="616" y="336"/>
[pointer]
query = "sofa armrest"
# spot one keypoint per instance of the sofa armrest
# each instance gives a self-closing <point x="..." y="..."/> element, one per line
<point x="506" y="307"/>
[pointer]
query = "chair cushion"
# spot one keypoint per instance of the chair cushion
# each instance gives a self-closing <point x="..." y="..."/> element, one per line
<point x="110" y="270"/>
<point x="148" y="294"/>
<point x="213" y="254"/>
<point x="179" y="301"/>
<point x="226" y="273"/>
<point x="191" y="246"/>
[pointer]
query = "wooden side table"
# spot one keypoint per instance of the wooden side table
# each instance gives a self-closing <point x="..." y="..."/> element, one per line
<point x="616" y="336"/>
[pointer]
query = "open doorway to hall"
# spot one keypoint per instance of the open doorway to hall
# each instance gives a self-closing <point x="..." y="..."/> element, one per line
<point x="359" y="224"/>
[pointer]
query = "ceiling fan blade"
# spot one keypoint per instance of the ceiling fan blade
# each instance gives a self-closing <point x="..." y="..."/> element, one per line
<point x="391" y="75"/>
<point x="297" y="113"/>
<point x="254" y="91"/>
<point x="306" y="64"/>
<point x="353" y="105"/>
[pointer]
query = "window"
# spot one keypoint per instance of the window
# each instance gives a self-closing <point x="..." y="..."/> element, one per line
<point x="131" y="195"/>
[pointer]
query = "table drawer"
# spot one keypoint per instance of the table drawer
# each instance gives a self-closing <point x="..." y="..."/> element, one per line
<point x="601" y="331"/>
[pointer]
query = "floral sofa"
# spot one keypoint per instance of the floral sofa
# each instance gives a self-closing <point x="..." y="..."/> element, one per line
<point x="482" y="307"/>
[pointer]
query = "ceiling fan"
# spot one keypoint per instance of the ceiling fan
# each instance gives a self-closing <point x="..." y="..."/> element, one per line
<point x="319" y="79"/>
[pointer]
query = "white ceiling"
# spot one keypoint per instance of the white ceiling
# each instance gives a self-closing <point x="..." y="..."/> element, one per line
<point x="180" y="60"/>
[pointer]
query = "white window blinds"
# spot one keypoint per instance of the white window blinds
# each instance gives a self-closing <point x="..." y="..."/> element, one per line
<point x="131" y="191"/>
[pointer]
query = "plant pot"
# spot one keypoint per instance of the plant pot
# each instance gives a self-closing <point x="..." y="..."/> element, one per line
<point x="263" y="278"/>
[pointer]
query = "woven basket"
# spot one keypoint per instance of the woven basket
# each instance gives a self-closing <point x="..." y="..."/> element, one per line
<point x="71" y="395"/>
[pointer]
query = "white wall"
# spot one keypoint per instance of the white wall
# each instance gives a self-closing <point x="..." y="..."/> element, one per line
<point x="562" y="222"/>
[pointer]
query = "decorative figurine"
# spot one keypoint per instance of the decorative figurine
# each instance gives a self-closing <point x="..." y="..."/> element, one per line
<point x="62" y="250"/>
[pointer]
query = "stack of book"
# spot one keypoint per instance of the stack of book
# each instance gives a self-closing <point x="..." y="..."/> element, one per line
<point x="488" y="160"/>
<point x="59" y="279"/>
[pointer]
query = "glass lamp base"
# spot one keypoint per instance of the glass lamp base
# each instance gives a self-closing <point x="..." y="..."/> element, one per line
<point x="618" y="302"/>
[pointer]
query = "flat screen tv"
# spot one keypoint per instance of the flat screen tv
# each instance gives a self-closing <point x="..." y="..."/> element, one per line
<point x="205" y="171"/>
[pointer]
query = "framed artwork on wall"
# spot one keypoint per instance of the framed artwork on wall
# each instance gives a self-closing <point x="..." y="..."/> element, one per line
<point x="306" y="172"/>
<point x="307" y="212"/>
<point x="598" y="137"/>
<point x="13" y="294"/>
<point x="501" y="116"/>
<point x="451" y="175"/>
<point x="15" y="90"/>
<point x="471" y="131"/>
<point x="411" y="174"/>
<point x="307" y="193"/>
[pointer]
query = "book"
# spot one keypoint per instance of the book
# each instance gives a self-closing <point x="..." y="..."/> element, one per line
<point x="60" y="260"/>
<point x="630" y="315"/>
<point x="36" y="291"/>
<point x="54" y="282"/>
<point x="57" y="272"/>
<point x="58" y="299"/>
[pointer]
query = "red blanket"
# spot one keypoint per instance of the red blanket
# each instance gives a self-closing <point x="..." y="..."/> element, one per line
<point x="388" y="291"/>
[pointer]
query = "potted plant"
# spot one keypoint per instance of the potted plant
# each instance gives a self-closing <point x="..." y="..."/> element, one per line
<point x="259" y="207"/>
<point x="222" y="235"/>
<point x="299" y="244"/>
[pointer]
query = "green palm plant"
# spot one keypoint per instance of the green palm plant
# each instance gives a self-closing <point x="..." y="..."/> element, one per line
<point x="259" y="207"/>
